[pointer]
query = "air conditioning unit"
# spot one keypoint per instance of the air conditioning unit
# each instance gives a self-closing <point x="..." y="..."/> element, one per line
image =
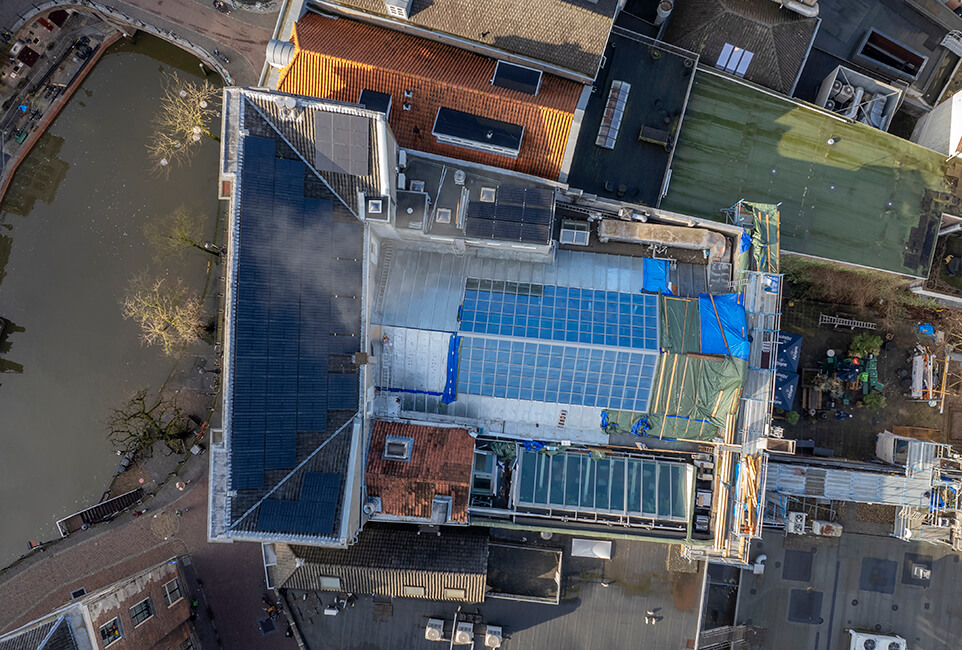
<point x="434" y="631"/>
<point x="372" y="505"/>
<point x="493" y="636"/>
<point x="464" y="633"/>
<point x="795" y="523"/>
<point x="575" y="232"/>
<point x="868" y="641"/>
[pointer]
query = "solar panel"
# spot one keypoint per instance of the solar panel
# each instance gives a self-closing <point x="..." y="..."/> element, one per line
<point x="342" y="143"/>
<point x="517" y="205"/>
<point x="283" y="315"/>
<point x="342" y="392"/>
<point x="565" y="374"/>
<point x="516" y="77"/>
<point x="607" y="318"/>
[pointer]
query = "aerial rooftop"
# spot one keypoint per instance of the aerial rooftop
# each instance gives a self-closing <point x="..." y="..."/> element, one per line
<point x="441" y="99"/>
<point x="870" y="199"/>
<point x="569" y="34"/>
<point x="778" y="40"/>
<point x="644" y="85"/>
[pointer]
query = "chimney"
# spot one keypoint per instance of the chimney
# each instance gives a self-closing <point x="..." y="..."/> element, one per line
<point x="398" y="8"/>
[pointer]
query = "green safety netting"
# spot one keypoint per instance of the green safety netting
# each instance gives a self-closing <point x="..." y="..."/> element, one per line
<point x="691" y="398"/>
<point x="680" y="329"/>
<point x="765" y="236"/>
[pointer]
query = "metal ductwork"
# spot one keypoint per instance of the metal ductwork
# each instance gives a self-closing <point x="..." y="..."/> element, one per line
<point x="674" y="236"/>
<point x="279" y="53"/>
<point x="803" y="8"/>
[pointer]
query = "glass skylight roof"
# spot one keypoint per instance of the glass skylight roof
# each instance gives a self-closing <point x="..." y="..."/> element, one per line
<point x="616" y="485"/>
<point x="545" y="372"/>
<point x="568" y="314"/>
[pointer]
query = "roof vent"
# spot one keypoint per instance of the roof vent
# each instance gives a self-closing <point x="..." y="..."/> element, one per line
<point x="398" y="8"/>
<point x="372" y="505"/>
<point x="279" y="53"/>
<point x="444" y="216"/>
<point x="408" y="92"/>
<point x="299" y="562"/>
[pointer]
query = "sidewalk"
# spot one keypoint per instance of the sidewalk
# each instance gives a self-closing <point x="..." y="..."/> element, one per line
<point x="231" y="576"/>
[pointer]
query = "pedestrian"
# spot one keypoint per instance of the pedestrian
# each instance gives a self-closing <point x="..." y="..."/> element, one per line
<point x="181" y="512"/>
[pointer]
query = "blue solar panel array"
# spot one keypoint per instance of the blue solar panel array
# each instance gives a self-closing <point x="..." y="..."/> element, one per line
<point x="285" y="313"/>
<point x="313" y="513"/>
<point x="545" y="372"/>
<point x="566" y="314"/>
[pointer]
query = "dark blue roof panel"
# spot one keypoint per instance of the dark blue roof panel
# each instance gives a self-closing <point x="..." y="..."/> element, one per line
<point x="286" y="311"/>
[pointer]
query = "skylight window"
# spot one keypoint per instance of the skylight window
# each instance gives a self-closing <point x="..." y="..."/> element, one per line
<point x="398" y="448"/>
<point x="479" y="133"/>
<point x="516" y="77"/>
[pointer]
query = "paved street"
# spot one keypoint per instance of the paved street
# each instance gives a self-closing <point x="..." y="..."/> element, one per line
<point x="232" y="574"/>
<point x="241" y="35"/>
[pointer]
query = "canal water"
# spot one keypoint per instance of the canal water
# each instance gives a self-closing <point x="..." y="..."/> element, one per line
<point x="71" y="237"/>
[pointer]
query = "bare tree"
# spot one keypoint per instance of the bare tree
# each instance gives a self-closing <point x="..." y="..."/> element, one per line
<point x="186" y="110"/>
<point x="144" y="420"/>
<point x="177" y="231"/>
<point x="169" y="314"/>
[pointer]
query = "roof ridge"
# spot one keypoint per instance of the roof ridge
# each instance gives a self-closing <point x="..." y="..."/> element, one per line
<point x="290" y="474"/>
<point x="290" y="144"/>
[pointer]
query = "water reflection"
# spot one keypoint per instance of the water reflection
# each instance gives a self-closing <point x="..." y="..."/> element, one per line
<point x="71" y="237"/>
<point x="37" y="178"/>
<point x="8" y="327"/>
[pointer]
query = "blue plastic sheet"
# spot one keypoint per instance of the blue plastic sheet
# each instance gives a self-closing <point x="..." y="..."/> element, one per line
<point x="655" y="275"/>
<point x="604" y="419"/>
<point x="744" y="243"/>
<point x="532" y="445"/>
<point x="926" y="328"/>
<point x="451" y="384"/>
<point x="724" y="326"/>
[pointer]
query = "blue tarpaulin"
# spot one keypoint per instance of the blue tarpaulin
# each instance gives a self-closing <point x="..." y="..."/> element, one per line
<point x="789" y="351"/>
<point x="786" y="385"/>
<point x="926" y="328"/>
<point x="724" y="326"/>
<point x="655" y="274"/>
<point x="451" y="384"/>
<point x="744" y="243"/>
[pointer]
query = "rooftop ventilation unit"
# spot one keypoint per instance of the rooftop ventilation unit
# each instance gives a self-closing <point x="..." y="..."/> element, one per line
<point x="868" y="641"/>
<point x="434" y="631"/>
<point x="398" y="8"/>
<point x="464" y="634"/>
<point x="795" y="523"/>
<point x="576" y="233"/>
<point x="493" y="636"/>
<point x="614" y="111"/>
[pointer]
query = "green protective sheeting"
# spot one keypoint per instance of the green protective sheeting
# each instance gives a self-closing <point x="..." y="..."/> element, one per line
<point x="766" y="237"/>
<point x="693" y="395"/>
<point x="680" y="329"/>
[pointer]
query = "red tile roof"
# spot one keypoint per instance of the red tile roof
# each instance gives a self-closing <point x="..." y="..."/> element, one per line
<point x="440" y="465"/>
<point x="337" y="59"/>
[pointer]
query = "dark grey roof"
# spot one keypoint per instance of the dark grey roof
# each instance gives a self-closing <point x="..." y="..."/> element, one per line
<point x="778" y="38"/>
<point x="570" y="34"/>
<point x="399" y="547"/>
<point x="53" y="634"/>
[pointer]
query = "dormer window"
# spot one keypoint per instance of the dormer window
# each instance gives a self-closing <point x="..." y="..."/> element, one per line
<point x="398" y="448"/>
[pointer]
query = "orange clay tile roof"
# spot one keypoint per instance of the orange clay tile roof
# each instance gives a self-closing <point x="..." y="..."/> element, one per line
<point x="440" y="465"/>
<point x="337" y="59"/>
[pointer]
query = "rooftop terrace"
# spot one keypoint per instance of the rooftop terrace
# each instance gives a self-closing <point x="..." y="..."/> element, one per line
<point x="657" y="80"/>
<point x="870" y="199"/>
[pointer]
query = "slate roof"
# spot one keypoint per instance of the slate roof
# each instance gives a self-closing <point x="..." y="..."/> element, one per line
<point x="440" y="465"/>
<point x="388" y="557"/>
<point x="570" y="34"/>
<point x="52" y="634"/>
<point x="779" y="38"/>
<point x="338" y="59"/>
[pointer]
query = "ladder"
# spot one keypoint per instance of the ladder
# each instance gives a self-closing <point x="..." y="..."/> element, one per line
<point x="837" y="321"/>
